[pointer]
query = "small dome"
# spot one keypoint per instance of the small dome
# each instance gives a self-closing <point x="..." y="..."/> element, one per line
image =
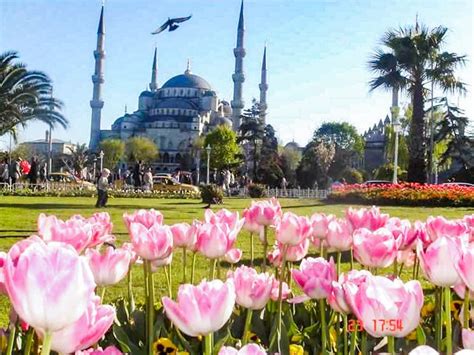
<point x="187" y="80"/>
<point x="147" y="93"/>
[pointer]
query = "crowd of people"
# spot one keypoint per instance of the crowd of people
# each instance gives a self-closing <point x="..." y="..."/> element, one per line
<point x="11" y="171"/>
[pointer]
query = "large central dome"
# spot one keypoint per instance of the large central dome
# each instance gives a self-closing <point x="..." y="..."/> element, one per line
<point x="187" y="80"/>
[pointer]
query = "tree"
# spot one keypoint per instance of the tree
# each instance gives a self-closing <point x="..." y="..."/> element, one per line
<point x="251" y="133"/>
<point x="315" y="163"/>
<point x="224" y="147"/>
<point x="25" y="96"/>
<point x="114" y="150"/>
<point x="269" y="170"/>
<point x="140" y="149"/>
<point x="348" y="145"/>
<point x="290" y="158"/>
<point x="413" y="61"/>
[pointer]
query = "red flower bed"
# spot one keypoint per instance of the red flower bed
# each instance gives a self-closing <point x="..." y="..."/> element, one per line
<point x="406" y="194"/>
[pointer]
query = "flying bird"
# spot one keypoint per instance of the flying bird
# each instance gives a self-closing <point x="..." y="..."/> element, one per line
<point x="171" y="23"/>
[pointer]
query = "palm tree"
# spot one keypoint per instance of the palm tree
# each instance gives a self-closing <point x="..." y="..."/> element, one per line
<point x="79" y="157"/>
<point x="414" y="59"/>
<point x="25" y="96"/>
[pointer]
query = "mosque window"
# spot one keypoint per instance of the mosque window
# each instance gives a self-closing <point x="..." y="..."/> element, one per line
<point x="182" y="92"/>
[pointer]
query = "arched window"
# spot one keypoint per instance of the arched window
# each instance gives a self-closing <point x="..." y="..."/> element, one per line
<point x="166" y="158"/>
<point x="178" y="158"/>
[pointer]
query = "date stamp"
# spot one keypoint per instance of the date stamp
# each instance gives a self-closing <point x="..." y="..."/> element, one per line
<point x="377" y="325"/>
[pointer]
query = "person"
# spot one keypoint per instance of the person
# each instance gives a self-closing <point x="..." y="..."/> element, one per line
<point x="226" y="181"/>
<point x="33" y="173"/>
<point x="15" y="172"/>
<point x="284" y="184"/>
<point x="148" y="180"/>
<point x="102" y="185"/>
<point x="137" y="174"/>
<point x="4" y="172"/>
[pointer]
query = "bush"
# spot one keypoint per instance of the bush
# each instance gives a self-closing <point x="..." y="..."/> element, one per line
<point x="385" y="172"/>
<point x="352" y="176"/>
<point x="257" y="190"/>
<point x="212" y="194"/>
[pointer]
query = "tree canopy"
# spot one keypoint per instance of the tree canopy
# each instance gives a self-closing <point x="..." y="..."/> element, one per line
<point x="140" y="149"/>
<point x="114" y="151"/>
<point x="224" y="147"/>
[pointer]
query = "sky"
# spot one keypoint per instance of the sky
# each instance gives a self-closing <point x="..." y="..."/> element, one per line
<point x="317" y="54"/>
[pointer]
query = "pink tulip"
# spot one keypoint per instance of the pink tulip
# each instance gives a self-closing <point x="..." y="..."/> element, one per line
<point x="371" y="218"/>
<point x="468" y="339"/>
<point x="3" y="259"/>
<point x="133" y="255"/>
<point x="374" y="249"/>
<point x="424" y="350"/>
<point x="295" y="253"/>
<point x="400" y="229"/>
<point x="147" y="218"/>
<point x="469" y="221"/>
<point x="406" y="257"/>
<point x="251" y="225"/>
<point x="233" y="256"/>
<point x="315" y="277"/>
<point x="153" y="243"/>
<point x="223" y="216"/>
<point x="76" y="231"/>
<point x="251" y="288"/>
<point x="109" y="267"/>
<point x="285" y="290"/>
<point x="274" y="256"/>
<point x="386" y="307"/>
<point x="441" y="227"/>
<point x="49" y="285"/>
<point x="158" y="263"/>
<point x="460" y="290"/>
<point x="415" y="233"/>
<point x="184" y="235"/>
<point x="438" y="261"/>
<point x="215" y="240"/>
<point x="337" y="297"/>
<point x="263" y="213"/>
<point x="201" y="309"/>
<point x="319" y="225"/>
<point x="465" y="267"/>
<point x="292" y="229"/>
<point x="86" y="331"/>
<point x="249" y="349"/>
<point x="101" y="229"/>
<point x="339" y="235"/>
<point x="110" y="350"/>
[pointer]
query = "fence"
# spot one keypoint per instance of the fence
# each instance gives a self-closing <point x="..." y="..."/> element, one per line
<point x="45" y="186"/>
<point x="290" y="193"/>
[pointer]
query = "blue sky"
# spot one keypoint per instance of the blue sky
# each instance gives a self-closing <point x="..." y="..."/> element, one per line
<point x="317" y="53"/>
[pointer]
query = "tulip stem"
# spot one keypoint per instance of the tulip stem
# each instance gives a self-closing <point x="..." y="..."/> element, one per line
<point x="447" y="305"/>
<point x="212" y="269"/>
<point x="131" y="299"/>
<point x="321" y="248"/>
<point x="391" y="344"/>
<point x="102" y="294"/>
<point x="184" y="265"/>
<point x="251" y="249"/>
<point x="48" y="337"/>
<point x="338" y="264"/>
<point x="11" y="339"/>
<point x="467" y="305"/>
<point x="363" y="343"/>
<point x="344" y="318"/>
<point x="400" y="270"/>
<point x="147" y="298"/>
<point x="439" y="317"/>
<point x="208" y="344"/>
<point x="414" y="267"/>
<point x="324" y="342"/>
<point x="193" y="266"/>
<point x="265" y="246"/>
<point x="352" y="260"/>
<point x="218" y="268"/>
<point x="29" y="341"/>
<point x="248" y="323"/>
<point x="151" y="307"/>
<point x="353" y="341"/>
<point x="280" y="293"/>
<point x="395" y="268"/>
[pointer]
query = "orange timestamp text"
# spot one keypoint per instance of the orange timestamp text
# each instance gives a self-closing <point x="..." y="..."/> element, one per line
<point x="377" y="325"/>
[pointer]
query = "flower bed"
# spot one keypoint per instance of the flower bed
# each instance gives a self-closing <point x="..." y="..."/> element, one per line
<point x="405" y="194"/>
<point x="290" y="303"/>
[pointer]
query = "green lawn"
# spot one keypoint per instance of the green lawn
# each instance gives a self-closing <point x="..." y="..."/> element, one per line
<point x="18" y="220"/>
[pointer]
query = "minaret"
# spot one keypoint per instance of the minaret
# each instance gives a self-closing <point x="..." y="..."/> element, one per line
<point x="238" y="77"/>
<point x="263" y="88"/>
<point x="98" y="80"/>
<point x="154" y="74"/>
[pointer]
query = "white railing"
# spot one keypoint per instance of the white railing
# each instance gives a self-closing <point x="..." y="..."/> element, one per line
<point x="289" y="193"/>
<point x="45" y="186"/>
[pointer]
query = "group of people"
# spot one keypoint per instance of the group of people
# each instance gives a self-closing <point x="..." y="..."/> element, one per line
<point x="139" y="176"/>
<point x="11" y="171"/>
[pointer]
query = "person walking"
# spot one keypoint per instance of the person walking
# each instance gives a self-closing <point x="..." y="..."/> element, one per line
<point x="4" y="172"/>
<point x="148" y="180"/>
<point x="33" y="173"/>
<point x="102" y="185"/>
<point x="15" y="172"/>
<point x="137" y="174"/>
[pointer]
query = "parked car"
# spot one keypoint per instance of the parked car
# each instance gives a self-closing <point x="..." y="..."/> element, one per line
<point x="167" y="183"/>
<point x="70" y="181"/>
<point x="377" y="182"/>
<point x="465" y="184"/>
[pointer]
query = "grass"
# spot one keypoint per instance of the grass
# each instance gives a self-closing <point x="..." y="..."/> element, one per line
<point x="18" y="220"/>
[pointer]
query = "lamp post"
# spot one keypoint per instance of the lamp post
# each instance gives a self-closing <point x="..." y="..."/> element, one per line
<point x="101" y="156"/>
<point x="198" y="166"/>
<point x="208" y="151"/>
<point x="396" y="127"/>
<point x="94" y="167"/>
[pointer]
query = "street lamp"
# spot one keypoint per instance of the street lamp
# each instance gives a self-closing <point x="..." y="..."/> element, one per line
<point x="95" y="165"/>
<point x="101" y="156"/>
<point x="208" y="151"/>
<point x="396" y="129"/>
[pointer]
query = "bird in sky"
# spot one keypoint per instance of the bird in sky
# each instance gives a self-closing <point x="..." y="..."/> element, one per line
<point x="171" y="24"/>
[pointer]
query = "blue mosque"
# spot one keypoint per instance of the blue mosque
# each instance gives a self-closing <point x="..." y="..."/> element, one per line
<point x="175" y="114"/>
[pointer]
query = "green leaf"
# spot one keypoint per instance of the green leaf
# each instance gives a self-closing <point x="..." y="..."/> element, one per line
<point x="420" y="335"/>
<point x="122" y="339"/>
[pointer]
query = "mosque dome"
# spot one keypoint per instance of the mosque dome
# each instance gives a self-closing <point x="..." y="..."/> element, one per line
<point x="187" y="80"/>
<point x="176" y="103"/>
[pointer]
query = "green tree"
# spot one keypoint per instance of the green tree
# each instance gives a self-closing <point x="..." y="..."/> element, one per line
<point x="114" y="151"/>
<point x="25" y="96"/>
<point x="290" y="158"/>
<point x="269" y="169"/>
<point x="251" y="133"/>
<point x="317" y="158"/>
<point x="21" y="151"/>
<point x="414" y="59"/>
<point x="224" y="147"/>
<point x="140" y="149"/>
<point x="348" y="145"/>
<point x="78" y="158"/>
